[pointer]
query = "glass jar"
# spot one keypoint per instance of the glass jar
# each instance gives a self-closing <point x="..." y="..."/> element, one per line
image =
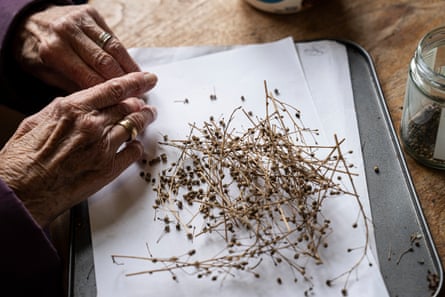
<point x="423" y="119"/>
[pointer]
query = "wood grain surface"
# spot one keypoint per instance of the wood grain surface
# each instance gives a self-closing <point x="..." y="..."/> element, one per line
<point x="388" y="30"/>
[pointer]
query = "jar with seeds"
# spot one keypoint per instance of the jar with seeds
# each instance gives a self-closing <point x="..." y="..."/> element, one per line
<point x="423" y="120"/>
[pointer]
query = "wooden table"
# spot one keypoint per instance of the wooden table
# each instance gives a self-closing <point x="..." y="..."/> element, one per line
<point x="388" y="30"/>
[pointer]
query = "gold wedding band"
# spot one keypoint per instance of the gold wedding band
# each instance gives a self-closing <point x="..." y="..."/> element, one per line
<point x="104" y="37"/>
<point x="130" y="127"/>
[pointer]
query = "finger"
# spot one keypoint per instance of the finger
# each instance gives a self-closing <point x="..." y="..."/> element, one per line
<point x="114" y="46"/>
<point x="113" y="91"/>
<point x="64" y="60"/>
<point x="132" y="152"/>
<point x="138" y="121"/>
<point x="95" y="57"/>
<point x="117" y="112"/>
<point x="120" y="54"/>
<point x="112" y="59"/>
<point x="97" y="179"/>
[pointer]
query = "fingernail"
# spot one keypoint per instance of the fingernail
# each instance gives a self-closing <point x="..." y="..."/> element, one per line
<point x="141" y="103"/>
<point x="150" y="78"/>
<point x="144" y="98"/>
<point x="153" y="111"/>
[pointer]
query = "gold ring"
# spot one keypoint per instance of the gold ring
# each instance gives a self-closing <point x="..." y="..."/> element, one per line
<point x="104" y="37"/>
<point x="130" y="127"/>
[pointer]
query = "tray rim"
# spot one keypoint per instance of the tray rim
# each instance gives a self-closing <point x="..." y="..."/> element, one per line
<point x="402" y="161"/>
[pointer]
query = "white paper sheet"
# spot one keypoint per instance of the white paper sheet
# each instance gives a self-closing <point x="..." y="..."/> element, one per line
<point x="326" y="68"/>
<point x="122" y="215"/>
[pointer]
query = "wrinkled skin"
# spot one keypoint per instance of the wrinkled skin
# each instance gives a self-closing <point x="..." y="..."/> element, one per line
<point x="58" y="46"/>
<point x="70" y="149"/>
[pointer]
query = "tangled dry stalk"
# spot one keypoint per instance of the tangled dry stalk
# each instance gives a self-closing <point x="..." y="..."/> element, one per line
<point x="260" y="190"/>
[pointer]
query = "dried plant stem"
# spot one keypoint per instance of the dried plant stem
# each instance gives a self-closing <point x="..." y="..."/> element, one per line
<point x="260" y="190"/>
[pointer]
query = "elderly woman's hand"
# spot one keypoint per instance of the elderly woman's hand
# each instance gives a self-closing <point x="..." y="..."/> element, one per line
<point x="74" y="146"/>
<point x="68" y="47"/>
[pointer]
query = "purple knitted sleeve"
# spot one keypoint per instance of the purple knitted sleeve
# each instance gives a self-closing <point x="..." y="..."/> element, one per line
<point x="29" y="264"/>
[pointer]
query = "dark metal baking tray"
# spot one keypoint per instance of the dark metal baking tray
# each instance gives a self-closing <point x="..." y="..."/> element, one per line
<point x="406" y="252"/>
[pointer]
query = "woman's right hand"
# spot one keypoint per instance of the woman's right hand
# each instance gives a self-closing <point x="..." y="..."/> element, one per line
<point x="70" y="149"/>
<point x="64" y="46"/>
